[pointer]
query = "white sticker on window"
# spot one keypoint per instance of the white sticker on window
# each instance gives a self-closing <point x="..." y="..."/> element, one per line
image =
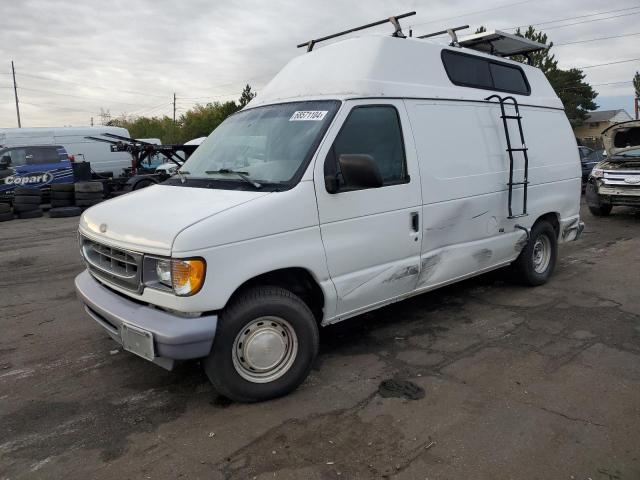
<point x="306" y="115"/>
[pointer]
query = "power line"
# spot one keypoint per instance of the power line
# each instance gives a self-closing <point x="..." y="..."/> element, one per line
<point x="597" y="39"/>
<point x="593" y="20"/>
<point x="84" y="84"/>
<point x="77" y="96"/>
<point x="595" y="85"/>
<point x="471" y="13"/>
<point x="58" y="107"/>
<point x="608" y="63"/>
<point x="576" y="17"/>
<point x="569" y="18"/>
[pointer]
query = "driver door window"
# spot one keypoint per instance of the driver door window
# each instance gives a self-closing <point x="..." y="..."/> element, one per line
<point x="375" y="131"/>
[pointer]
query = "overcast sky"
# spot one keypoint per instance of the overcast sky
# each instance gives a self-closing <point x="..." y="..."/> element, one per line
<point x="73" y="57"/>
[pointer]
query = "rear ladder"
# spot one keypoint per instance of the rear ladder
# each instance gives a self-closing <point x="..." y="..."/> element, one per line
<point x="510" y="150"/>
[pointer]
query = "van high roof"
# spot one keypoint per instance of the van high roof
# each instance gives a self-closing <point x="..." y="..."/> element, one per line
<point x="382" y="66"/>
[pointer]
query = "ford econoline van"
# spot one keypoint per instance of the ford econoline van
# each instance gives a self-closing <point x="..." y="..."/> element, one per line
<point x="368" y="171"/>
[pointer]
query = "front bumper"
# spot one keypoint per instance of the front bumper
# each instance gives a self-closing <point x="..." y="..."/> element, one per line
<point x="598" y="195"/>
<point x="174" y="337"/>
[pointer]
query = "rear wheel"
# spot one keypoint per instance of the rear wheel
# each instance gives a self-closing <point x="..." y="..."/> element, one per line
<point x="537" y="260"/>
<point x="601" y="211"/>
<point x="264" y="346"/>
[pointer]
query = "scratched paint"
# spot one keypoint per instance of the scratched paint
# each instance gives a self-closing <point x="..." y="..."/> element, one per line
<point x="483" y="255"/>
<point x="402" y="273"/>
<point x="429" y="266"/>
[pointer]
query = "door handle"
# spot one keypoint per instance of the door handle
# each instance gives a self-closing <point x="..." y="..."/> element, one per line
<point x="415" y="221"/>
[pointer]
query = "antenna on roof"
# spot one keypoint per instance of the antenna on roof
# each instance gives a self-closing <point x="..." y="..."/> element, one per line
<point x="450" y="31"/>
<point x="393" y="20"/>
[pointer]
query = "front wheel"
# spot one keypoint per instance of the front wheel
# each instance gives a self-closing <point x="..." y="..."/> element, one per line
<point x="537" y="259"/>
<point x="264" y="347"/>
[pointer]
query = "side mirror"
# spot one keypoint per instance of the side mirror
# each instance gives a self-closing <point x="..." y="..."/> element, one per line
<point x="331" y="183"/>
<point x="360" y="171"/>
<point x="5" y="161"/>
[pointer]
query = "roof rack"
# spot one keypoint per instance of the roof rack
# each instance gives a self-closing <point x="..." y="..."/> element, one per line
<point x="393" y="20"/>
<point x="502" y="44"/>
<point x="450" y="31"/>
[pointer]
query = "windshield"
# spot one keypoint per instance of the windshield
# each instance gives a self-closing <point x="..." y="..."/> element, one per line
<point x="629" y="153"/>
<point x="269" y="144"/>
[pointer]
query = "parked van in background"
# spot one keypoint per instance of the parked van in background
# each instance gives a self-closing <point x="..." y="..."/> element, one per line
<point x="103" y="161"/>
<point x="366" y="172"/>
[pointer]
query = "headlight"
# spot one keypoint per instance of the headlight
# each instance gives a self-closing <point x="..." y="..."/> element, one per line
<point x="163" y="272"/>
<point x="597" y="172"/>
<point x="184" y="276"/>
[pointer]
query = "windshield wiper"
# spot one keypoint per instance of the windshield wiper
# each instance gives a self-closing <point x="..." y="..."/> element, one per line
<point x="242" y="175"/>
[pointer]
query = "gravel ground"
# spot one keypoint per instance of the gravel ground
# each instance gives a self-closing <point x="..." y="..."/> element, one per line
<point x="518" y="382"/>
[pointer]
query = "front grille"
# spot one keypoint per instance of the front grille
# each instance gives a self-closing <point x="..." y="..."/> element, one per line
<point x="113" y="265"/>
<point x="621" y="177"/>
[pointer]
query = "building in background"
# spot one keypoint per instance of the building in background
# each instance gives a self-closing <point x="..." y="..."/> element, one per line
<point x="589" y="133"/>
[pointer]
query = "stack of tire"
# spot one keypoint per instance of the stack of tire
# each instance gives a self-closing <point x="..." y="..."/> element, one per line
<point x="63" y="201"/>
<point x="88" y="194"/>
<point x="26" y="202"/>
<point x="6" y="212"/>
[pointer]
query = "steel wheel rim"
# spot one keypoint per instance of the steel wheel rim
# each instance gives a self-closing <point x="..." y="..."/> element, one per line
<point x="541" y="254"/>
<point x="265" y="349"/>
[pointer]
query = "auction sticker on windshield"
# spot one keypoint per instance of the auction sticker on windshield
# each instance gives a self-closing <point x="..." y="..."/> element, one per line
<point x="306" y="115"/>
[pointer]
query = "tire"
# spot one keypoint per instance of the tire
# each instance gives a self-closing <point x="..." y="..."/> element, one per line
<point x="89" y="187"/>
<point x="25" y="207"/>
<point x="88" y="196"/>
<point x="272" y="311"/>
<point x="31" y="214"/>
<point x="601" y="211"/>
<point x="87" y="203"/>
<point x="63" y="212"/>
<point x="62" y="195"/>
<point x="20" y="191"/>
<point x="537" y="260"/>
<point x="55" y="203"/>
<point x="63" y="187"/>
<point x="5" y="208"/>
<point x="5" y="216"/>
<point x="27" y="199"/>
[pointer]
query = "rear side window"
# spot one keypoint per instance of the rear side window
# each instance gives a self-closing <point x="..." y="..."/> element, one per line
<point x="478" y="72"/>
<point x="45" y="155"/>
<point x="375" y="131"/>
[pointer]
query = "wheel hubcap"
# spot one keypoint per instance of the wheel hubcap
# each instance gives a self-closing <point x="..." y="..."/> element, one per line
<point x="265" y="349"/>
<point x="541" y="254"/>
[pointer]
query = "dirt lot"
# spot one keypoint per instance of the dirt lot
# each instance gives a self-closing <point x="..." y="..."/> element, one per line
<point x="519" y="382"/>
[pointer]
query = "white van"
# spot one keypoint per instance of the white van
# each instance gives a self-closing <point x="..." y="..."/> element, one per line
<point x="74" y="140"/>
<point x="382" y="172"/>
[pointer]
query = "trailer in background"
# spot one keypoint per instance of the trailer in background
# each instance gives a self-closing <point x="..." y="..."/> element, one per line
<point x="143" y="170"/>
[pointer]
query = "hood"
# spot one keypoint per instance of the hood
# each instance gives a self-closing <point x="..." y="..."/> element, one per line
<point x="148" y="220"/>
<point x="621" y="137"/>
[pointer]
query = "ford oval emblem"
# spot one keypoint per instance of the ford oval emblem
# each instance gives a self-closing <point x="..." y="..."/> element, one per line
<point x="103" y="227"/>
<point x="633" y="180"/>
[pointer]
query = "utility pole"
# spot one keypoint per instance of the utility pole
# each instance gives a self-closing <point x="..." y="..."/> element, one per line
<point x="15" y="93"/>
<point x="174" y="107"/>
<point x="92" y="121"/>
